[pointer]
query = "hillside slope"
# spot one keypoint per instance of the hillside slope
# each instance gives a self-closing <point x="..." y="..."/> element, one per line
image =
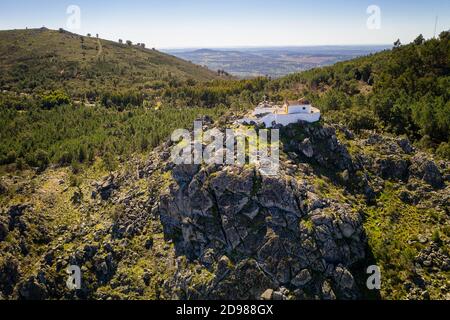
<point x="154" y="230"/>
<point x="403" y="91"/>
<point x="42" y="59"/>
<point x="93" y="186"/>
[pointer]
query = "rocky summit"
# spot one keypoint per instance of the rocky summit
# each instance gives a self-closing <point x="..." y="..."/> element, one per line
<point x="342" y="202"/>
<point x="278" y="233"/>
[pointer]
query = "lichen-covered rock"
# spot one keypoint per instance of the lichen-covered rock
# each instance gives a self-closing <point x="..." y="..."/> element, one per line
<point x="261" y="222"/>
<point x="302" y="278"/>
<point x="3" y="228"/>
<point x="32" y="289"/>
<point x="426" y="169"/>
<point x="392" y="168"/>
<point x="154" y="230"/>
<point x="9" y="274"/>
<point x="318" y="144"/>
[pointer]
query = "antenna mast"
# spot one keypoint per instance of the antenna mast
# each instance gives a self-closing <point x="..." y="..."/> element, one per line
<point x="435" y="26"/>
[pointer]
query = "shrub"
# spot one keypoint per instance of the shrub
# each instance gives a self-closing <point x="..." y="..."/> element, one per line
<point x="65" y="159"/>
<point x="358" y="120"/>
<point x="74" y="181"/>
<point x="436" y="237"/>
<point x="109" y="162"/>
<point x="10" y="157"/>
<point x="444" y="150"/>
<point x="55" y="98"/>
<point x="39" y="159"/>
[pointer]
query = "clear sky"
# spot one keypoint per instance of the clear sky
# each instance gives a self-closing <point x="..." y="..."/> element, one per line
<point x="235" y="23"/>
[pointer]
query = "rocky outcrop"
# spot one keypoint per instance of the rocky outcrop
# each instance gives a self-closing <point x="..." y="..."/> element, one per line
<point x="9" y="274"/>
<point x="319" y="144"/>
<point x="266" y="227"/>
<point x="158" y="231"/>
<point x="392" y="168"/>
<point x="426" y="169"/>
<point x="106" y="188"/>
<point x="3" y="228"/>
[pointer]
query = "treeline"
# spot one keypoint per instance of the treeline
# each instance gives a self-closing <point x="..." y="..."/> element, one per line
<point x="49" y="100"/>
<point x="188" y="93"/>
<point x="51" y="128"/>
<point x="71" y="135"/>
<point x="403" y="91"/>
<point x="212" y="94"/>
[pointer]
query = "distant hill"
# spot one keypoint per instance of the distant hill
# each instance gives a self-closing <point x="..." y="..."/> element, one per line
<point x="41" y="59"/>
<point x="274" y="62"/>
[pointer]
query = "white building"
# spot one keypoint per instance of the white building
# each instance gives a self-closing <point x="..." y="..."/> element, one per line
<point x="290" y="112"/>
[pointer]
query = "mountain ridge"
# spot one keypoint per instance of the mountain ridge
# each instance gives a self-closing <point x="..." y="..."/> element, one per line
<point x="50" y="59"/>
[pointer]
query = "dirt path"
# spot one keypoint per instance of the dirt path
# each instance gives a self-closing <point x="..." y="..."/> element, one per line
<point x="100" y="48"/>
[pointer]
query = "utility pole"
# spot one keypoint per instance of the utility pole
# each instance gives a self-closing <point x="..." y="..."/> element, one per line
<point x="435" y="26"/>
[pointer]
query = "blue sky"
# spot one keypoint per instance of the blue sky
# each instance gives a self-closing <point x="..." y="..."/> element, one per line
<point x="233" y="23"/>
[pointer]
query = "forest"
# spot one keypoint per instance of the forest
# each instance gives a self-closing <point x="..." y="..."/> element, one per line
<point x="403" y="91"/>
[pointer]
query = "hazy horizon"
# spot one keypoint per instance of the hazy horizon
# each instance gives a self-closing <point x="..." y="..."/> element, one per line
<point x="277" y="47"/>
<point x="177" y="24"/>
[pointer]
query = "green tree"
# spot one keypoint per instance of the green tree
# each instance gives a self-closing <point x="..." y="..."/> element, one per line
<point x="55" y="98"/>
<point x="419" y="40"/>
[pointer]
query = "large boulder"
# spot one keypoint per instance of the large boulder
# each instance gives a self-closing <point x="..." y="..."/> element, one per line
<point x="106" y="187"/>
<point x="426" y="169"/>
<point x="3" y="228"/>
<point x="265" y="226"/>
<point x="9" y="274"/>
<point x="32" y="289"/>
<point x="317" y="144"/>
<point x="393" y="168"/>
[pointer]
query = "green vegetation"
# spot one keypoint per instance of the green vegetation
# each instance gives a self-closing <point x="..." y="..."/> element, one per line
<point x="67" y="99"/>
<point x="91" y="104"/>
<point x="69" y="134"/>
<point x="393" y="230"/>
<point x="40" y="60"/>
<point x="404" y="91"/>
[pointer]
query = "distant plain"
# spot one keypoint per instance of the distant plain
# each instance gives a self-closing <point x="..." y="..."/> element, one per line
<point x="272" y="61"/>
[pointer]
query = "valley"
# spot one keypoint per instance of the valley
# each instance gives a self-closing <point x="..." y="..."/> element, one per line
<point x="273" y="62"/>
